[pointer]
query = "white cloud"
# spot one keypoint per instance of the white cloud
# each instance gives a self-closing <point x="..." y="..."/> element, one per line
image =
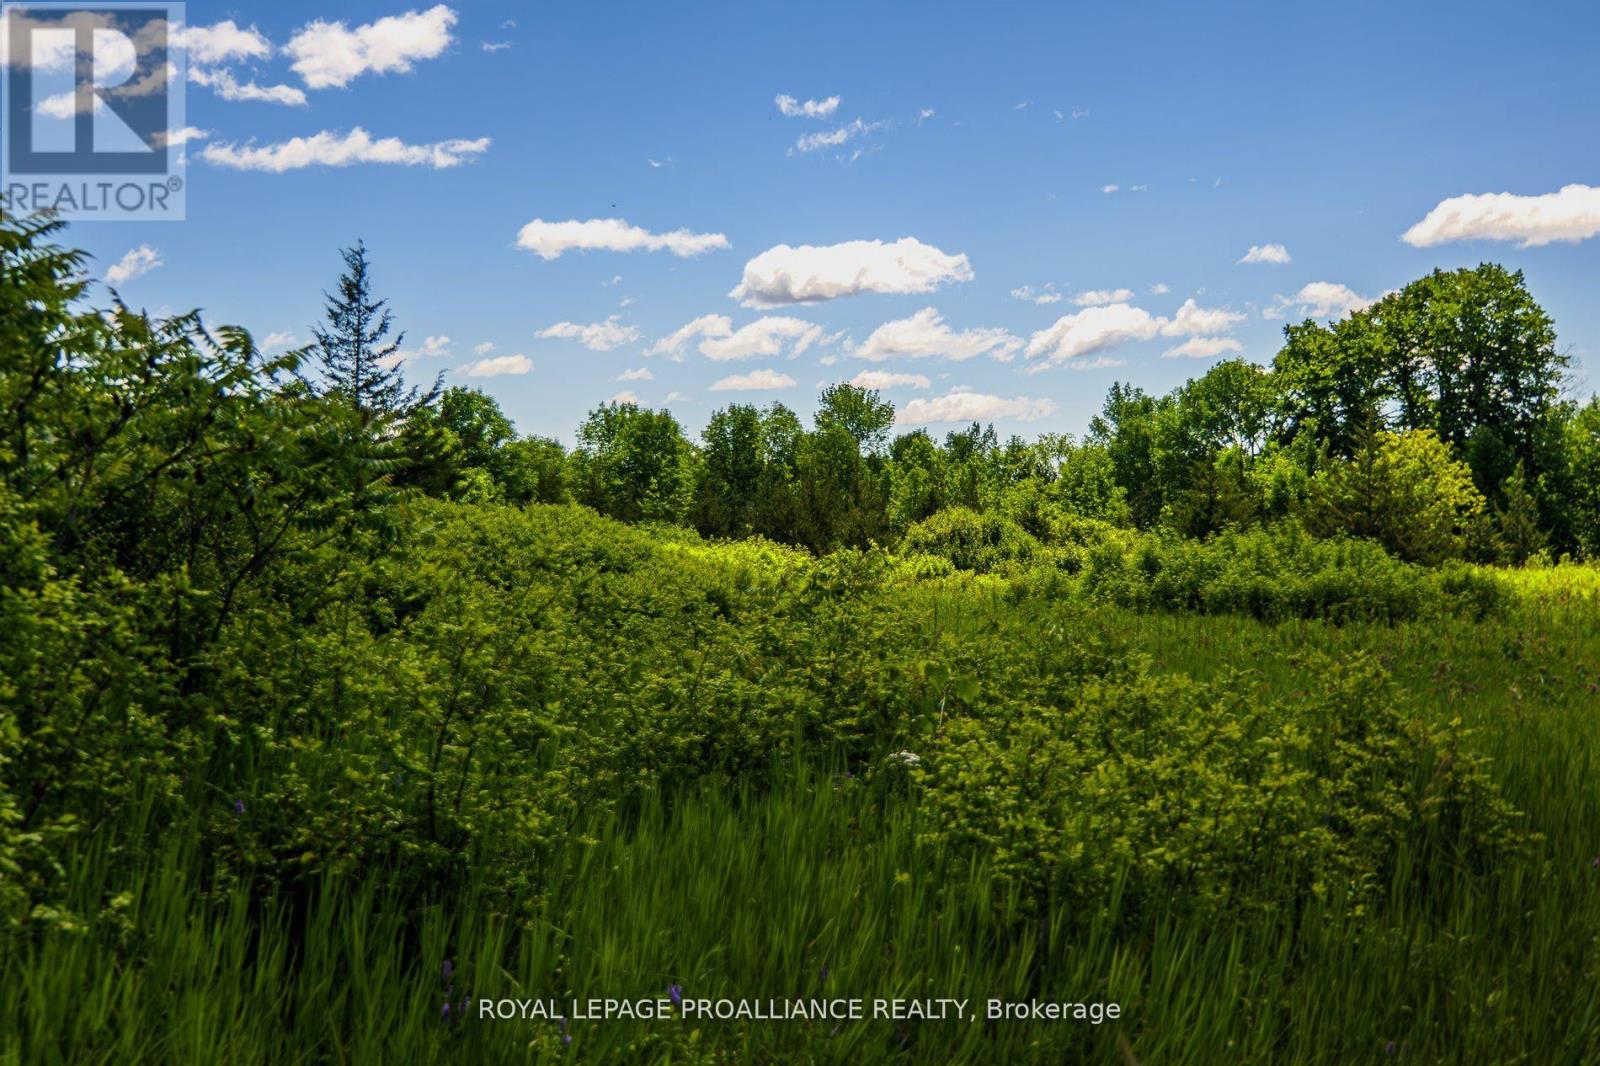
<point x="625" y="396"/>
<point x="1096" y="329"/>
<point x="1109" y="188"/>
<point x="1572" y="214"/>
<point x="222" y="42"/>
<point x="882" y="379"/>
<point x="1193" y="320"/>
<point x="136" y="263"/>
<point x="183" y="136"/>
<point x="1046" y="295"/>
<point x="1098" y="297"/>
<point x="229" y="88"/>
<point x="674" y="396"/>
<point x="964" y="405"/>
<point x="1092" y="330"/>
<point x="331" y="149"/>
<point x="811" y="273"/>
<point x="925" y="335"/>
<point x="495" y="46"/>
<point x="769" y="337"/>
<point x="704" y="326"/>
<point x="641" y="373"/>
<point x="1203" y="347"/>
<point x="1266" y="253"/>
<point x="793" y="108"/>
<point x="549" y="240"/>
<point x="753" y="381"/>
<point x="280" y="339"/>
<point x="1320" y="299"/>
<point x="925" y="114"/>
<point x="595" y="336"/>
<point x="500" y="364"/>
<point x="432" y="348"/>
<point x="330" y="54"/>
<point x="834" y="138"/>
<point x="483" y="349"/>
<point x="1160" y="288"/>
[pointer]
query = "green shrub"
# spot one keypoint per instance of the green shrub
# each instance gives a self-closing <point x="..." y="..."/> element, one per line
<point x="981" y="543"/>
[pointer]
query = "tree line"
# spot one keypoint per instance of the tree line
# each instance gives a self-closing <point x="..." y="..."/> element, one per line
<point x="1436" y="422"/>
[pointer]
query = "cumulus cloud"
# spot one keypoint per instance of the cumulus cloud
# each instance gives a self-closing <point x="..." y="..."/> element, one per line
<point x="222" y="42"/>
<point x="768" y="337"/>
<point x="136" y="263"/>
<point x="812" y="273"/>
<point x="1203" y="348"/>
<point x="1096" y="329"/>
<point x="432" y="348"/>
<point x="181" y="137"/>
<point x="1572" y="215"/>
<point x="883" y="379"/>
<point x="498" y="365"/>
<point x="754" y="381"/>
<point x="330" y="149"/>
<point x="793" y="108"/>
<point x="625" y="396"/>
<point x="280" y="339"/>
<point x="1160" y="288"/>
<point x="1320" y="299"/>
<point x="1099" y="297"/>
<point x="1109" y="188"/>
<point x="549" y="240"/>
<point x="225" y="85"/>
<point x="641" y="373"/>
<point x="1092" y="330"/>
<point x="1193" y="320"/>
<point x="1045" y="295"/>
<point x="483" y="349"/>
<point x="595" y="336"/>
<point x="925" y="335"/>
<point x="1266" y="253"/>
<point x="964" y="405"/>
<point x="329" y="54"/>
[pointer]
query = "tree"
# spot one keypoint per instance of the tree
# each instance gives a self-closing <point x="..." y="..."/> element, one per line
<point x="634" y="464"/>
<point x="862" y="413"/>
<point x="1403" y="490"/>
<point x="358" y="361"/>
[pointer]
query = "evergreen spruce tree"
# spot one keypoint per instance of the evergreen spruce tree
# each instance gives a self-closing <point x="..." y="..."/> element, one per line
<point x="358" y="360"/>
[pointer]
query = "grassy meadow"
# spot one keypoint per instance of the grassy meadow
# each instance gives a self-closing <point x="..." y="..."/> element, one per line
<point x="733" y="852"/>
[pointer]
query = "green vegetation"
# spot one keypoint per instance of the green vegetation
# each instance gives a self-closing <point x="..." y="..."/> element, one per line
<point x="328" y="712"/>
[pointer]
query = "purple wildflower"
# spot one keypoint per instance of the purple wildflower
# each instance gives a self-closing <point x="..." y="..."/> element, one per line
<point x="444" y="1011"/>
<point x="824" y="973"/>
<point x="447" y="969"/>
<point x="238" y="806"/>
<point x="566" y="1039"/>
<point x="1388" y="1049"/>
<point x="675" y="993"/>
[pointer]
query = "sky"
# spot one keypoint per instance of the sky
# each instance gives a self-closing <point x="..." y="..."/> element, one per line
<point x="990" y="211"/>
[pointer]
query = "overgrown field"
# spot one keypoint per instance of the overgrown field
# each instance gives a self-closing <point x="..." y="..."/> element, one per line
<point x="536" y="753"/>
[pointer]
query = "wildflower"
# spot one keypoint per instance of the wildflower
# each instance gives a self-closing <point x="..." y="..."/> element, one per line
<point x="566" y="1039"/>
<point x="444" y="1011"/>
<point x="675" y="993"/>
<point x="238" y="806"/>
<point x="824" y="973"/>
<point x="1388" y="1049"/>
<point x="448" y="969"/>
<point x="909" y="758"/>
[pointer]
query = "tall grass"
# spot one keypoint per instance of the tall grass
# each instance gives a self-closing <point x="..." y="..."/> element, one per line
<point x="817" y="886"/>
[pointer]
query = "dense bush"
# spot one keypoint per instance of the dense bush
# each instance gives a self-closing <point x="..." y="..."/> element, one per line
<point x="971" y="541"/>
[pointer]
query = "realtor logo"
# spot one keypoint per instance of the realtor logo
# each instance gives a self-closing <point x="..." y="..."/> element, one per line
<point x="94" y="94"/>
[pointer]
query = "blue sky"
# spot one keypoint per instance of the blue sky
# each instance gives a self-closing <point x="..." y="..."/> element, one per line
<point x="1010" y="284"/>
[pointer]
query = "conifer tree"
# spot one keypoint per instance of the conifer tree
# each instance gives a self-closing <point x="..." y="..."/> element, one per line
<point x="358" y="359"/>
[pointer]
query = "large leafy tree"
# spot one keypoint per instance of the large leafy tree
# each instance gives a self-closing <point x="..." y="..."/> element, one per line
<point x="634" y="464"/>
<point x="1403" y="490"/>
